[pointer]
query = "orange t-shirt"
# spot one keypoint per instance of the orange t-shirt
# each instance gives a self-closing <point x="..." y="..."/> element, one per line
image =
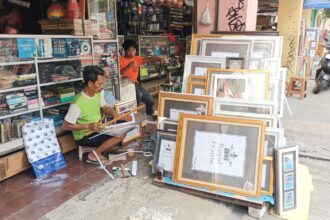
<point x="133" y="72"/>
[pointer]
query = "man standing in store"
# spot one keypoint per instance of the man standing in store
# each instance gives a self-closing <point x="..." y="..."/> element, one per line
<point x="129" y="68"/>
<point x="84" y="115"/>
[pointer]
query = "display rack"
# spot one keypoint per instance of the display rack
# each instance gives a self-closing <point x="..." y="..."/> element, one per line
<point x="31" y="64"/>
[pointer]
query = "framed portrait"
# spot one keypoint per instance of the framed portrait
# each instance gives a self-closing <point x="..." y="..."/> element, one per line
<point x="223" y="106"/>
<point x="273" y="65"/>
<point x="164" y="152"/>
<point x="223" y="48"/>
<point x="220" y="153"/>
<point x="132" y="135"/>
<point x="314" y="64"/>
<point x="273" y="139"/>
<point x="267" y="182"/>
<point x="197" y="66"/>
<point x="286" y="179"/>
<point x="170" y="105"/>
<point x="166" y="124"/>
<point x="312" y="34"/>
<point x="197" y="88"/>
<point x="126" y="106"/>
<point x="252" y="86"/>
<point x="235" y="63"/>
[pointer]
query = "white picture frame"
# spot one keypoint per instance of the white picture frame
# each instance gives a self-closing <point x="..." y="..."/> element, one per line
<point x="273" y="140"/>
<point x="193" y="62"/>
<point x="287" y="197"/>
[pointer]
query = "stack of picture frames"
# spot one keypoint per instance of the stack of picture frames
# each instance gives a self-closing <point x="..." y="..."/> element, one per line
<point x="221" y="132"/>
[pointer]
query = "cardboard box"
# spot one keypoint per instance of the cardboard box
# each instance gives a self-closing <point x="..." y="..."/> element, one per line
<point x="62" y="26"/>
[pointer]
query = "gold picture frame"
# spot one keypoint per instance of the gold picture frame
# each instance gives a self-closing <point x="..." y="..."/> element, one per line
<point x="239" y="170"/>
<point x="197" y="88"/>
<point x="170" y="105"/>
<point x="267" y="177"/>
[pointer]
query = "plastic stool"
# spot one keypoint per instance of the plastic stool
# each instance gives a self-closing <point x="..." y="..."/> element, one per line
<point x="292" y="89"/>
<point x="83" y="150"/>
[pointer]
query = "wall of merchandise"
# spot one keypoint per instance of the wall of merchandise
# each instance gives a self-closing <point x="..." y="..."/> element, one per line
<point x="41" y="74"/>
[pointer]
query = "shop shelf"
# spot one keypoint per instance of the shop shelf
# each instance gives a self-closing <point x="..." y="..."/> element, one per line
<point x="61" y="82"/>
<point x="19" y="113"/>
<point x="64" y="59"/>
<point x="11" y="146"/>
<point x="55" y="105"/>
<point x="16" y="63"/>
<point x="18" y="88"/>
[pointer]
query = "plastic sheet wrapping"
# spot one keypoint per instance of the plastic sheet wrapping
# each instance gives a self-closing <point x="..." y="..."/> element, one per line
<point x="220" y="153"/>
<point x="42" y="148"/>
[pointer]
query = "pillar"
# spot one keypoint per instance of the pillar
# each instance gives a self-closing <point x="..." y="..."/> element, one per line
<point x="289" y="23"/>
<point x="231" y="15"/>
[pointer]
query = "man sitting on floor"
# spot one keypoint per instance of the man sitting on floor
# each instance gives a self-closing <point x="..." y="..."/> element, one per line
<point x="84" y="115"/>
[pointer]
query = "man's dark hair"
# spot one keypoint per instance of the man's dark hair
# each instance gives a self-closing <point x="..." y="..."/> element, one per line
<point x="90" y="73"/>
<point x="129" y="43"/>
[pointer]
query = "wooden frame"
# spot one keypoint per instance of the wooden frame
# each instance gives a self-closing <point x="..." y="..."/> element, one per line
<point x="286" y="188"/>
<point x="169" y="139"/>
<point x="197" y="79"/>
<point x="198" y="65"/>
<point x="195" y="41"/>
<point x="201" y="86"/>
<point x="312" y="34"/>
<point x="270" y="120"/>
<point x="188" y="171"/>
<point x="166" y="124"/>
<point x="197" y="103"/>
<point x="222" y="106"/>
<point x="267" y="177"/>
<point x="132" y="135"/>
<point x="313" y="67"/>
<point x="126" y="106"/>
<point x="228" y="47"/>
<point x="244" y="86"/>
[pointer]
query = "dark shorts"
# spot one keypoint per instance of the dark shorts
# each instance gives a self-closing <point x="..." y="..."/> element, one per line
<point x="91" y="141"/>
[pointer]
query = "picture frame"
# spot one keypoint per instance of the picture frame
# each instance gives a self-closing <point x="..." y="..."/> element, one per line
<point x="197" y="88"/>
<point x="273" y="140"/>
<point x="197" y="66"/>
<point x="197" y="79"/>
<point x="312" y="34"/>
<point x="196" y="164"/>
<point x="273" y="65"/>
<point x="214" y="72"/>
<point x="270" y="120"/>
<point x="314" y="65"/>
<point x="281" y="91"/>
<point x="166" y="124"/>
<point x="222" y="106"/>
<point x="235" y="63"/>
<point x="267" y="182"/>
<point x="125" y="106"/>
<point x="196" y="42"/>
<point x="170" y="105"/>
<point x="313" y="44"/>
<point x="251" y="86"/>
<point x="273" y="93"/>
<point x="164" y="152"/>
<point x="286" y="167"/>
<point x="223" y="48"/>
<point x="132" y="135"/>
<point x="255" y="64"/>
<point x="263" y="48"/>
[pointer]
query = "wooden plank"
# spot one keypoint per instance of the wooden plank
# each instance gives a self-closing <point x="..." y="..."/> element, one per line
<point x="13" y="164"/>
<point x="67" y="143"/>
<point x="210" y="195"/>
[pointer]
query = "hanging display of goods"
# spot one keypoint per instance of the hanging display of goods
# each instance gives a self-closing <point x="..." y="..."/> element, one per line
<point x="55" y="11"/>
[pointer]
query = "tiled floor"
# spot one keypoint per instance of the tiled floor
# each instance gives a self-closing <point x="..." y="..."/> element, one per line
<point x="21" y="197"/>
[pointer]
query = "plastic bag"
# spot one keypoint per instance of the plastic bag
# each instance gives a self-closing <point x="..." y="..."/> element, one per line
<point x="206" y="17"/>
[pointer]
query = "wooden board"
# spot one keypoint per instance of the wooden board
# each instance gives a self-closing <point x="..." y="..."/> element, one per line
<point x="13" y="164"/>
<point x="67" y="143"/>
<point x="209" y="195"/>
